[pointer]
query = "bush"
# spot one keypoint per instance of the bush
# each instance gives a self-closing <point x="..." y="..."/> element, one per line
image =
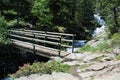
<point x="40" y="67"/>
<point x="3" y="31"/>
<point x="13" y="23"/>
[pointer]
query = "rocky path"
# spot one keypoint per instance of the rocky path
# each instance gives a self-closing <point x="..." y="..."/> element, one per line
<point x="89" y="66"/>
<point x="53" y="76"/>
<point x="99" y="66"/>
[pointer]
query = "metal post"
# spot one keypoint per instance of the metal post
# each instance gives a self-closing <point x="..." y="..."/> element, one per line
<point x="59" y="48"/>
<point x="73" y="43"/>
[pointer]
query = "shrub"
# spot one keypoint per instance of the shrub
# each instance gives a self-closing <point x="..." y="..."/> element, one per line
<point x="13" y="23"/>
<point x="3" y="31"/>
<point x="40" y="67"/>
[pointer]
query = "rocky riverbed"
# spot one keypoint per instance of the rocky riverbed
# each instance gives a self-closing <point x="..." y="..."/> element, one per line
<point x="89" y="66"/>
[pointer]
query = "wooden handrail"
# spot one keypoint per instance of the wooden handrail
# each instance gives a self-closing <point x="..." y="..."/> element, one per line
<point x="36" y="40"/>
<point x="53" y="33"/>
<point x="36" y="37"/>
<point x="22" y="32"/>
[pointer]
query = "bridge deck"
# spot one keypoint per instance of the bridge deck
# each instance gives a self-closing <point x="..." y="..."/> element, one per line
<point x="40" y="50"/>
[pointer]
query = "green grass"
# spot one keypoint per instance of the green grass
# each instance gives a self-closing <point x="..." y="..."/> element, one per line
<point x="101" y="47"/>
<point x="115" y="39"/>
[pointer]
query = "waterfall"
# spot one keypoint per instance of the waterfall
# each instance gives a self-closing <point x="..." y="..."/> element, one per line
<point x="97" y="31"/>
<point x="101" y="22"/>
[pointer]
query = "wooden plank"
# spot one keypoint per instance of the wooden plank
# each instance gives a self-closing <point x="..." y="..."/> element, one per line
<point x="43" y="32"/>
<point x="36" y="40"/>
<point x="38" y="48"/>
<point x="37" y="34"/>
<point x="54" y="33"/>
<point x="42" y="35"/>
<point x="61" y="34"/>
<point x="31" y="44"/>
<point x="32" y="33"/>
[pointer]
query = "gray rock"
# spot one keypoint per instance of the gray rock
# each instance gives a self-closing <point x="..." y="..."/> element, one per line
<point x="64" y="76"/>
<point x="58" y="59"/>
<point x="45" y="77"/>
<point x="90" y="57"/>
<point x="75" y="56"/>
<point x="111" y="76"/>
<point x="22" y="78"/>
<point x="72" y="63"/>
<point x="98" y="66"/>
<point x="115" y="63"/>
<point x="106" y="59"/>
<point x="91" y="42"/>
<point x="35" y="77"/>
<point x="116" y="50"/>
<point x="87" y="74"/>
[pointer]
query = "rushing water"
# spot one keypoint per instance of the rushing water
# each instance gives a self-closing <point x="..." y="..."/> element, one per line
<point x="97" y="31"/>
<point x="77" y="44"/>
<point x="101" y="22"/>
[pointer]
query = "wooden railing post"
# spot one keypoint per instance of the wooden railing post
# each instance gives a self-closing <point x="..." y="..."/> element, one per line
<point x="33" y="43"/>
<point x="45" y="38"/>
<point x="9" y="32"/>
<point x="59" y="48"/>
<point x="73" y="43"/>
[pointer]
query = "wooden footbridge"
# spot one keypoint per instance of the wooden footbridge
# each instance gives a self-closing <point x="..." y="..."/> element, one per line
<point x="41" y="42"/>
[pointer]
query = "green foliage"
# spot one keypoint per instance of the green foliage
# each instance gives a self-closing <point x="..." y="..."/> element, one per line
<point x="109" y="9"/>
<point x="117" y="57"/>
<point x="41" y="10"/>
<point x="75" y="15"/>
<point x="3" y="32"/>
<point x="39" y="67"/>
<point x="87" y="48"/>
<point x="100" y="47"/>
<point x="13" y="23"/>
<point x="59" y="29"/>
<point x="115" y="39"/>
<point x="116" y="36"/>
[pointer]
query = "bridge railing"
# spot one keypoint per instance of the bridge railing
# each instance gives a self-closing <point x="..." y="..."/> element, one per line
<point x="44" y="38"/>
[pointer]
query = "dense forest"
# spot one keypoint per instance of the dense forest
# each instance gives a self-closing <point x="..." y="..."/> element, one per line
<point x="69" y="16"/>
